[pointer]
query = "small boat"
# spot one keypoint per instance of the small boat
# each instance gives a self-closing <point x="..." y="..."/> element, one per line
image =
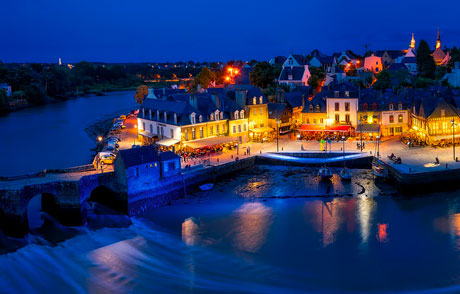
<point x="379" y="171"/>
<point x="325" y="173"/>
<point x="206" y="187"/>
<point x="345" y="174"/>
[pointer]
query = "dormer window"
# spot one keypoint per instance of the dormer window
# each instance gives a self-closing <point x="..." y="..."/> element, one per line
<point x="365" y="106"/>
<point x="200" y="118"/>
<point x="311" y="107"/>
<point x="336" y="94"/>
<point x="347" y="94"/>
<point x="150" y="114"/>
<point x="143" y="112"/>
<point x="260" y="99"/>
<point x="193" y="118"/>
<point x="158" y="115"/>
<point x="290" y="77"/>
<point x="211" y="116"/>
<point x="400" y="106"/>
<point x="391" y="106"/>
<point x="374" y="106"/>
<point x="317" y="107"/>
<point x="216" y="114"/>
<point x="242" y="114"/>
<point x="175" y="118"/>
<point x="254" y="100"/>
<point x="236" y="114"/>
<point x="166" y="117"/>
<point x="221" y="115"/>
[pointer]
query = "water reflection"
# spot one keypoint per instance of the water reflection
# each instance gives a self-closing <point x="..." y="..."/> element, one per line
<point x="252" y="225"/>
<point x="365" y="213"/>
<point x="382" y="235"/>
<point x="190" y="231"/>
<point x="325" y="217"/>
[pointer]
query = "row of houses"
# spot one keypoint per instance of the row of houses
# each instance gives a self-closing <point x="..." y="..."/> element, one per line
<point x="296" y="68"/>
<point x="426" y="113"/>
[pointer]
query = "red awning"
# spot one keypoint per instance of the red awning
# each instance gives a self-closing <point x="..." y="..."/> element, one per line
<point x="344" y="129"/>
<point x="311" y="128"/>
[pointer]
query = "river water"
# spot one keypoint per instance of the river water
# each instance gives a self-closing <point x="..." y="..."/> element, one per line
<point x="250" y="235"/>
<point x="53" y="136"/>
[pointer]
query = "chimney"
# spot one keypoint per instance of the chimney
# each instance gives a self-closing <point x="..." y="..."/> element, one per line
<point x="175" y="118"/>
<point x="303" y="101"/>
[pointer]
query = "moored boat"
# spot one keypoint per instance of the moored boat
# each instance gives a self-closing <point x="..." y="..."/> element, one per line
<point x="206" y="187"/>
<point x="325" y="173"/>
<point x="345" y="174"/>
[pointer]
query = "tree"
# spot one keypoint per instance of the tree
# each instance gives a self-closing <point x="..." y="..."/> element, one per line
<point x="440" y="72"/>
<point x="205" y="77"/>
<point x="425" y="62"/>
<point x="317" y="76"/>
<point x="141" y="92"/>
<point x="454" y="57"/>
<point x="263" y="75"/>
<point x="4" y="103"/>
<point x="35" y="94"/>
<point x="383" y="81"/>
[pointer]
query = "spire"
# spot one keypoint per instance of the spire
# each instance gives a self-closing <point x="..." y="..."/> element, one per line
<point x="438" y="40"/>
<point x="412" y="42"/>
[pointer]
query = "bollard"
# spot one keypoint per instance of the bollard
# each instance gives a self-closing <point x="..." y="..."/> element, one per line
<point x="446" y="165"/>
<point x="410" y="169"/>
<point x="260" y="151"/>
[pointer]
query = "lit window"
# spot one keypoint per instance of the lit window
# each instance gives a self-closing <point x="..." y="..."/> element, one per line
<point x="392" y="119"/>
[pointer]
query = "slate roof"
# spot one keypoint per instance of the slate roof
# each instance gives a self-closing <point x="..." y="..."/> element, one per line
<point x="294" y="99"/>
<point x="243" y="76"/>
<point x="342" y="87"/>
<point x="164" y="92"/>
<point x="325" y="59"/>
<point x="168" y="155"/>
<point x="137" y="156"/>
<point x="301" y="59"/>
<point x="318" y="99"/>
<point x="296" y="72"/>
<point x="396" y="67"/>
<point x="276" y="110"/>
<point x="393" y="53"/>
<point x="180" y="106"/>
<point x="279" y="59"/>
<point x="409" y="60"/>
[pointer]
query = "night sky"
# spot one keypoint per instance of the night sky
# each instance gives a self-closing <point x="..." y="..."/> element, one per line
<point x="179" y="30"/>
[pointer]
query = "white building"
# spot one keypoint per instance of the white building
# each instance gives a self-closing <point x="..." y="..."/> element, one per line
<point x="295" y="72"/>
<point x="342" y="107"/>
<point x="7" y="88"/>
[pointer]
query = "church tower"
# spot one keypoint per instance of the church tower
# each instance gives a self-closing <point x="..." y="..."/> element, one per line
<point x="412" y="42"/>
<point x="438" y="40"/>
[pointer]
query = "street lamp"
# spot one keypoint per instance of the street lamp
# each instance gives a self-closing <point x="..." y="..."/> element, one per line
<point x="277" y="135"/>
<point x="99" y="138"/>
<point x="343" y="144"/>
<point x="378" y="146"/>
<point x="453" y="136"/>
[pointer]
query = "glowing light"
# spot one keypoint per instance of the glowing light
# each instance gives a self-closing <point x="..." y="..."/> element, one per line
<point x="382" y="234"/>
<point x="370" y="119"/>
<point x="236" y="71"/>
<point x="227" y="78"/>
<point x="99" y="138"/>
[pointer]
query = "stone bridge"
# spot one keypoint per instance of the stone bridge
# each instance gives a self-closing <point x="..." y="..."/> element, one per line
<point x="66" y="192"/>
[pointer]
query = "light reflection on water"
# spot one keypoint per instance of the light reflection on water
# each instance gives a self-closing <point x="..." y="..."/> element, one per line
<point x="236" y="242"/>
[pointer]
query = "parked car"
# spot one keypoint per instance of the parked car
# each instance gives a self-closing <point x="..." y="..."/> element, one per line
<point x="113" y="138"/>
<point x="106" y="157"/>
<point x="135" y="146"/>
<point x="123" y="117"/>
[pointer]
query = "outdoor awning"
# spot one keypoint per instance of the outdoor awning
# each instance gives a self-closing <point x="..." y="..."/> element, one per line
<point x="344" y="129"/>
<point x="368" y="128"/>
<point x="311" y="128"/>
<point x="262" y="130"/>
<point x="167" y="142"/>
<point x="208" y="142"/>
<point x="147" y="134"/>
<point x="443" y="137"/>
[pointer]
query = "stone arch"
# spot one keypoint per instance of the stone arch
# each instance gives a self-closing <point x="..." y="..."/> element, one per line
<point x="44" y="202"/>
<point x="107" y="197"/>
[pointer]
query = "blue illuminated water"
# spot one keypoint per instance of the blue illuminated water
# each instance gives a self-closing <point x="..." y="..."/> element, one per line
<point x="235" y="240"/>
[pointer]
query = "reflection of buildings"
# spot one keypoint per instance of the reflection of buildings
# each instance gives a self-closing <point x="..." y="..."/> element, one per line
<point x="252" y="226"/>
<point x="326" y="218"/>
<point x="364" y="213"/>
<point x="190" y="232"/>
<point x="382" y="235"/>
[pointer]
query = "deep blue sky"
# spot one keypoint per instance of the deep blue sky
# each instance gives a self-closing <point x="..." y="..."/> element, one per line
<point x="175" y="30"/>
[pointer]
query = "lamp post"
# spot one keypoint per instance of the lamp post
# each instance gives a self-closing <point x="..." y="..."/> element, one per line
<point x="378" y="146"/>
<point x="453" y="136"/>
<point x="343" y="148"/>
<point x="277" y="135"/>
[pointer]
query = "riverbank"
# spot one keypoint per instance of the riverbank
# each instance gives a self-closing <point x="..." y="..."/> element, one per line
<point x="99" y="91"/>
